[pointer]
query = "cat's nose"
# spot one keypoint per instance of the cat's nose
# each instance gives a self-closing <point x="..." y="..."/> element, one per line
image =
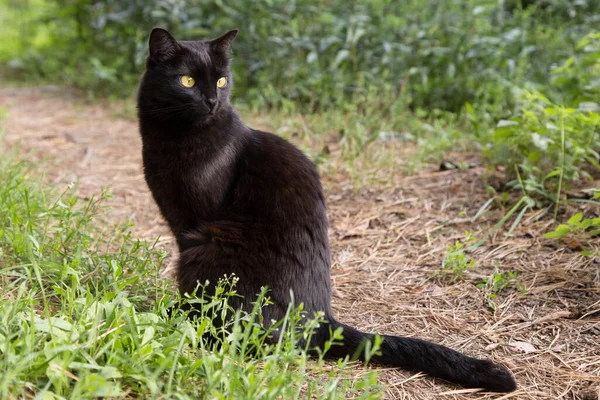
<point x="211" y="103"/>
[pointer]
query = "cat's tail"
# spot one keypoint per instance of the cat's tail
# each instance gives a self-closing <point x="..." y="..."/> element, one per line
<point x="419" y="355"/>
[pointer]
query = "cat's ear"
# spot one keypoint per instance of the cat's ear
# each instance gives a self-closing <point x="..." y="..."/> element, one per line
<point x="223" y="44"/>
<point x="162" y="45"/>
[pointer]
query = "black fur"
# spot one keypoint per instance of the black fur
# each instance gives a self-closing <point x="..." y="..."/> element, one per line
<point x="243" y="201"/>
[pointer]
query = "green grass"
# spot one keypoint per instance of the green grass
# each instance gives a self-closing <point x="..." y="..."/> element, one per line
<point x="83" y="314"/>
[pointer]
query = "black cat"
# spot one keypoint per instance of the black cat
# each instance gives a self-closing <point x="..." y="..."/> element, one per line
<point x="243" y="201"/>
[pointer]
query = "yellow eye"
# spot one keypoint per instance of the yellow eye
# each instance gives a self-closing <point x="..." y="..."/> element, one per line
<point x="222" y="82"/>
<point x="187" y="81"/>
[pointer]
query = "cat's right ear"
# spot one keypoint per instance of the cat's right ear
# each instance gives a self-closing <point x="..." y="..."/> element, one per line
<point x="223" y="44"/>
<point x="162" y="45"/>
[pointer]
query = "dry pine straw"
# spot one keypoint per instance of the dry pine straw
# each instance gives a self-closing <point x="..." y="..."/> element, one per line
<point x="388" y="240"/>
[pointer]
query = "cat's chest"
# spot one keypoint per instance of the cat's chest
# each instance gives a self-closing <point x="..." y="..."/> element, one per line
<point x="192" y="183"/>
<point x="211" y="171"/>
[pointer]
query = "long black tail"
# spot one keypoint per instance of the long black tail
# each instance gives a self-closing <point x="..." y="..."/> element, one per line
<point x="419" y="355"/>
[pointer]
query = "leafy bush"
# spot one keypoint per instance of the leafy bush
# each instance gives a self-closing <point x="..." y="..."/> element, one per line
<point x="320" y="55"/>
<point x="578" y="78"/>
<point x="546" y="145"/>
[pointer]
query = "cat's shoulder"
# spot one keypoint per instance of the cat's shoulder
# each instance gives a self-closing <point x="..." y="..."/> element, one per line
<point x="274" y="145"/>
<point x="271" y="151"/>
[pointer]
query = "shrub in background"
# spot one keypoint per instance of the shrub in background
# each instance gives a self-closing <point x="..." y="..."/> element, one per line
<point x="314" y="54"/>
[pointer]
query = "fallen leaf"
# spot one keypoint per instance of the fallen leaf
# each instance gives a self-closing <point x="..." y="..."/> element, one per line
<point x="523" y="347"/>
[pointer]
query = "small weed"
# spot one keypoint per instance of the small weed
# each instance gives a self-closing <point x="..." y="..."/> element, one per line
<point x="583" y="230"/>
<point x="498" y="282"/>
<point x="456" y="262"/>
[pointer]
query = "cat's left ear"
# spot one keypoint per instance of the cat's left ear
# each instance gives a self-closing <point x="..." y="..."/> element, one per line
<point x="223" y="43"/>
<point x="161" y="45"/>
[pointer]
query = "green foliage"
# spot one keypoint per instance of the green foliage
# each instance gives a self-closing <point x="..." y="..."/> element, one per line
<point x="316" y="54"/>
<point x="583" y="229"/>
<point x="83" y="314"/>
<point x="456" y="262"/>
<point x="546" y="144"/>
<point x="577" y="79"/>
<point x="498" y="282"/>
<point x="20" y="31"/>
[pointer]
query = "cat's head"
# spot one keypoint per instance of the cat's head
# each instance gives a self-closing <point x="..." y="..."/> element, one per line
<point x="186" y="80"/>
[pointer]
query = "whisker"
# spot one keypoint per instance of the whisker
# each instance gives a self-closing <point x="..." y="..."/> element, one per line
<point x="167" y="111"/>
<point x="175" y="107"/>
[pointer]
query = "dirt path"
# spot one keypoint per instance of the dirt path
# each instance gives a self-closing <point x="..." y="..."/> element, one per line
<point x="387" y="242"/>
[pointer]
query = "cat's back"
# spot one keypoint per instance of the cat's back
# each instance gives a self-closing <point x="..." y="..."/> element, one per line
<point x="275" y="176"/>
